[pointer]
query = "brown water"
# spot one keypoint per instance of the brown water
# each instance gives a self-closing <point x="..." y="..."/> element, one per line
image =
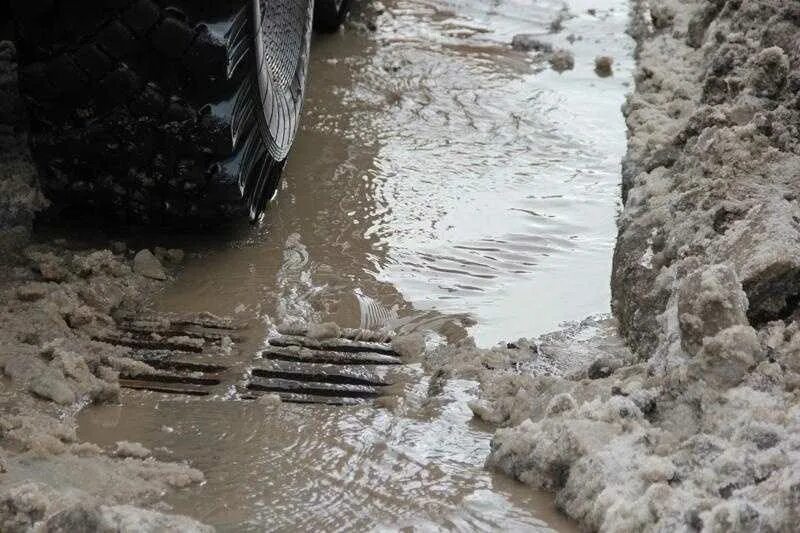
<point x="442" y="181"/>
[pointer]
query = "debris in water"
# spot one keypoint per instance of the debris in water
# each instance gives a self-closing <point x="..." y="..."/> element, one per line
<point x="602" y="66"/>
<point x="562" y="60"/>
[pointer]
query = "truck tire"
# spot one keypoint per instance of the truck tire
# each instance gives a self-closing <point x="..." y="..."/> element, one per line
<point x="163" y="111"/>
<point x="329" y="14"/>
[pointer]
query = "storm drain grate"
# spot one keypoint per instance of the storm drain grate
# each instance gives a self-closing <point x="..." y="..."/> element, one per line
<point x="340" y="371"/>
<point x="183" y="353"/>
<point x="179" y="347"/>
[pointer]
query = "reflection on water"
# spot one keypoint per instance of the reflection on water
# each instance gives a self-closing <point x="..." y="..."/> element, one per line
<point x="440" y="181"/>
<point x="498" y="180"/>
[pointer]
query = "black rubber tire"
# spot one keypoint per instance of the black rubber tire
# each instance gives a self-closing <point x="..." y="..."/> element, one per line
<point x="330" y="14"/>
<point x="130" y="106"/>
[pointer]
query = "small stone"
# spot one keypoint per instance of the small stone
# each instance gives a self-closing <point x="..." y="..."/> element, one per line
<point x="658" y="469"/>
<point x="602" y="66"/>
<point x="146" y="264"/>
<point x="726" y="358"/>
<point x="710" y="300"/>
<point x="562" y="60"/>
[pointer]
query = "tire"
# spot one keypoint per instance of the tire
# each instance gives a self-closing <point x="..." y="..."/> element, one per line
<point x="148" y="110"/>
<point x="330" y="14"/>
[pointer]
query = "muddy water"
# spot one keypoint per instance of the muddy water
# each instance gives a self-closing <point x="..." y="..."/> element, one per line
<point x="440" y="181"/>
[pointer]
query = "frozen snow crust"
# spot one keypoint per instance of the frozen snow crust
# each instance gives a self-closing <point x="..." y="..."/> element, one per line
<point x="698" y="428"/>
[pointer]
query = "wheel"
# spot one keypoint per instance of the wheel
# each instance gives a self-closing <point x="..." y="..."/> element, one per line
<point x="329" y="14"/>
<point x="156" y="110"/>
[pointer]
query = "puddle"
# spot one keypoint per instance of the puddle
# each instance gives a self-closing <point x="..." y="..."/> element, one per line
<point x="440" y="181"/>
<point x="319" y="468"/>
